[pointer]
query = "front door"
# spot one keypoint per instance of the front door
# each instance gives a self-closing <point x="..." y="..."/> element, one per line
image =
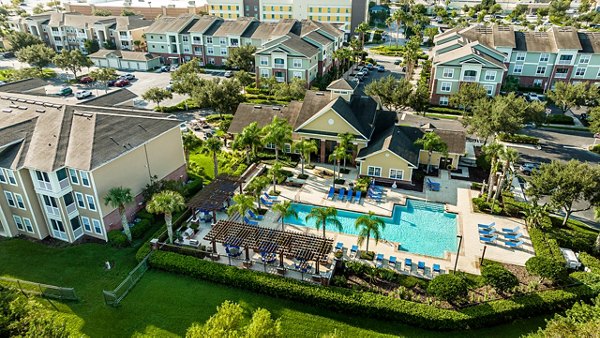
<point x="446" y="162"/>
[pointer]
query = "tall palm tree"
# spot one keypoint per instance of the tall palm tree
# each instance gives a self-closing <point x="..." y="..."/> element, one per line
<point x="166" y="202"/>
<point x="285" y="209"/>
<point x="322" y="216"/>
<point x="338" y="153"/>
<point x="388" y="23"/>
<point x="367" y="226"/>
<point x="431" y="142"/>
<point x="241" y="204"/>
<point x="249" y="140"/>
<point x="509" y="155"/>
<point x="492" y="150"/>
<point x="398" y="16"/>
<point x="190" y="142"/>
<point x="275" y="174"/>
<point x="278" y="133"/>
<point x="346" y="143"/>
<point x="213" y="146"/>
<point x="118" y="197"/>
<point x="305" y="148"/>
<point x="362" y="28"/>
<point x="343" y="55"/>
<point x="256" y="186"/>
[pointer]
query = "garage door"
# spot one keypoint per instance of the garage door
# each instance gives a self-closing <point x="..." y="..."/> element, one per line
<point x="133" y="65"/>
<point x="114" y="63"/>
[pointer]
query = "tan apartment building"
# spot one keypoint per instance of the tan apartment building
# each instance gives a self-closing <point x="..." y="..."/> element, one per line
<point x="57" y="163"/>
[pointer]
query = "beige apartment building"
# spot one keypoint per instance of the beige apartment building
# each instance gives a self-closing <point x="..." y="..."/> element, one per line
<point x="57" y="163"/>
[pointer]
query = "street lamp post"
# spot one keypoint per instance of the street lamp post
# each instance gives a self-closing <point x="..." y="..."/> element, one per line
<point x="457" y="252"/>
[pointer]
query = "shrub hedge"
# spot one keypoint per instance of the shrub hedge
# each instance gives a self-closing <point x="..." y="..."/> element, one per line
<point x="518" y="138"/>
<point x="445" y="110"/>
<point x="590" y="262"/>
<point x="543" y="246"/>
<point x="595" y="149"/>
<point x="140" y="228"/>
<point x="374" y="305"/>
<point x="117" y="239"/>
<point x="448" y="287"/>
<point x="499" y="277"/>
<point x="559" y="119"/>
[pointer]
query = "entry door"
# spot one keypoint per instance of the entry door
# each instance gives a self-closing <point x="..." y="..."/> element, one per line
<point x="445" y="162"/>
<point x="58" y="230"/>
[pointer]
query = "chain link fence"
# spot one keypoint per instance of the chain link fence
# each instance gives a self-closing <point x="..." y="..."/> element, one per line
<point x="114" y="297"/>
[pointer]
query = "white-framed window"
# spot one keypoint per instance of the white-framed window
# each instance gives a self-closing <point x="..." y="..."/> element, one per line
<point x="11" y="177"/>
<point x="279" y="62"/>
<point x="20" y="202"/>
<point x="90" y="202"/>
<point x="80" y="200"/>
<point x="223" y="51"/>
<point x="87" y="226"/>
<point x="287" y="148"/>
<point x="448" y="73"/>
<point x="10" y="199"/>
<point x="97" y="226"/>
<point x="209" y="39"/>
<point x="210" y="50"/>
<point x="544" y="57"/>
<point x="85" y="179"/>
<point x="2" y="177"/>
<point x="374" y="171"/>
<point x="211" y="61"/>
<point x="538" y="82"/>
<point x="520" y="57"/>
<point x="584" y="59"/>
<point x="297" y="63"/>
<point x="396" y="174"/>
<point x="270" y="145"/>
<point x="28" y="225"/>
<point x="598" y="75"/>
<point x="298" y="75"/>
<point x="264" y="61"/>
<point x="446" y="87"/>
<point x="541" y="70"/>
<point x="264" y="73"/>
<point x="223" y="41"/>
<point x="489" y="89"/>
<point x="73" y="176"/>
<point x="580" y="71"/>
<point x="18" y="222"/>
<point x="185" y="38"/>
<point x="490" y="75"/>
<point x="518" y="69"/>
<point x="444" y="100"/>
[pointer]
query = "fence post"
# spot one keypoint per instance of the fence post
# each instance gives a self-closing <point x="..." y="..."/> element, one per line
<point x="21" y="288"/>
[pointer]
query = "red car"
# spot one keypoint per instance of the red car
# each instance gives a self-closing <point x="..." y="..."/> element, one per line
<point x="86" y="79"/>
<point x="122" y="83"/>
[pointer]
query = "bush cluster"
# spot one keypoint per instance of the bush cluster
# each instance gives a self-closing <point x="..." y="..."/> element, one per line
<point x="518" y="138"/>
<point x="117" y="239"/>
<point x="444" y="110"/>
<point x="191" y="104"/>
<point x="595" y="149"/>
<point x="448" y="287"/>
<point x="140" y="228"/>
<point x="559" y="119"/>
<point x="546" y="267"/>
<point x="511" y="207"/>
<point x="590" y="262"/>
<point x="498" y="277"/>
<point x="481" y="205"/>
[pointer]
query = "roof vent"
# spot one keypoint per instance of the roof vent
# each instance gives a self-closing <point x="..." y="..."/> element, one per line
<point x="257" y="107"/>
<point x="40" y="110"/>
<point x="320" y="94"/>
<point x="23" y="107"/>
<point x="6" y="110"/>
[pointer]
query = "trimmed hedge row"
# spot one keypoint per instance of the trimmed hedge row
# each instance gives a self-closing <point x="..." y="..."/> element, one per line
<point x="518" y="138"/>
<point x="445" y="110"/>
<point x="590" y="262"/>
<point x="559" y="119"/>
<point x="374" y="305"/>
<point x="545" y="246"/>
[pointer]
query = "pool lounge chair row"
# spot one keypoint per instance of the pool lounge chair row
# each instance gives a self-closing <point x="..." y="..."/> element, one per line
<point x="342" y="195"/>
<point x="511" y="237"/>
<point x="393" y="261"/>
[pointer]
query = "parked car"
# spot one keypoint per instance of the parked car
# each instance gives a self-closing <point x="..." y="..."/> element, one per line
<point x="183" y="127"/>
<point x="122" y="83"/>
<point x="228" y="74"/>
<point x="82" y="94"/>
<point x="380" y="68"/>
<point x="111" y="83"/>
<point x="165" y="69"/>
<point x="128" y="76"/>
<point x="397" y="62"/>
<point x="369" y="66"/>
<point x="529" y="167"/>
<point x="8" y="55"/>
<point x="65" y="91"/>
<point x="532" y="97"/>
<point x="86" y="79"/>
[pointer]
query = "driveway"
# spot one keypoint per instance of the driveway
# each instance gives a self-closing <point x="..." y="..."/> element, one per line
<point x="562" y="145"/>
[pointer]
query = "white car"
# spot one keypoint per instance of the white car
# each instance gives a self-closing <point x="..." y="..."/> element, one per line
<point x="82" y="94"/>
<point x="183" y="127"/>
<point x="128" y="76"/>
<point x="228" y="74"/>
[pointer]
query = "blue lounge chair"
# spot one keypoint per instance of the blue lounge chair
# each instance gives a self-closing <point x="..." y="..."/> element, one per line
<point x="250" y="222"/>
<point x="331" y="193"/>
<point x="341" y="194"/>
<point x="434" y="186"/>
<point x="339" y="246"/>
<point x="379" y="260"/>
<point x="421" y="266"/>
<point x="255" y="216"/>
<point x="392" y="261"/>
<point x="513" y="237"/>
<point x="511" y="244"/>
<point x="354" y="249"/>
<point x="357" y="197"/>
<point x="511" y="231"/>
<point x="265" y="202"/>
<point x="376" y="188"/>
<point x="487" y="232"/>
<point x="379" y="257"/>
<point x="486" y="226"/>
<point x="488" y="239"/>
<point x="349" y="195"/>
<point x="436" y="269"/>
<point x="269" y="197"/>
<point x="374" y="192"/>
<point x="408" y="264"/>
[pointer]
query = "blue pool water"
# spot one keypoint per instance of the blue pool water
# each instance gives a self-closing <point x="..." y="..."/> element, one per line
<point x="421" y="227"/>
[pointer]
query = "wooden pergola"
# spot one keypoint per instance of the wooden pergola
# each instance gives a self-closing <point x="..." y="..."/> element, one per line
<point x="212" y="197"/>
<point x="301" y="246"/>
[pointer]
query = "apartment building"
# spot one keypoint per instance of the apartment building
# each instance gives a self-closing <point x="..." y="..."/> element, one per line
<point x="347" y="13"/>
<point x="70" y="30"/>
<point x="488" y="54"/>
<point x="57" y="163"/>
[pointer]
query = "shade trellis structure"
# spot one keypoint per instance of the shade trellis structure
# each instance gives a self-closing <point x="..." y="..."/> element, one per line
<point x="304" y="247"/>
<point x="219" y="191"/>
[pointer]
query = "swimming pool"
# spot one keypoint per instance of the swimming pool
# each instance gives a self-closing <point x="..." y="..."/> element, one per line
<point x="421" y="227"/>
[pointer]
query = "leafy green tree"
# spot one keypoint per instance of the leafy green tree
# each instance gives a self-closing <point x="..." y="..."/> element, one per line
<point x="277" y="133"/>
<point x="244" y="78"/>
<point x="546" y="268"/>
<point x="241" y="204"/>
<point x="468" y="94"/>
<point x="157" y="95"/>
<point x="567" y="183"/>
<point x="582" y="320"/>
<point x="430" y="33"/>
<point x="367" y="226"/>
<point x="511" y="84"/>
<point x="103" y="75"/>
<point x="594" y="120"/>
<point x="213" y="146"/>
<point x="498" y="277"/>
<point x="509" y="156"/>
<point x="492" y="151"/>
<point x="241" y="57"/>
<point x="72" y="60"/>
<point x="19" y="40"/>
<point x="411" y="52"/>
<point x="166" y="202"/>
<point x="566" y="95"/>
<point x="431" y="142"/>
<point x="38" y="56"/>
<point x="393" y="93"/>
<point x="285" y="209"/>
<point x="448" y="287"/>
<point x="535" y="214"/>
<point x="39" y="9"/>
<point x="323" y="217"/>
<point x="419" y="99"/>
<point x="190" y="142"/>
<point x="118" y="198"/>
<point x="91" y="45"/>
<point x="305" y="148"/>
<point x="295" y="90"/>
<point x="249" y="140"/>
<point x="263" y="326"/>
<point x="275" y="173"/>
<point x="185" y="79"/>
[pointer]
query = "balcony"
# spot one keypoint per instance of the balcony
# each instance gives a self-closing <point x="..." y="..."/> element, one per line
<point x="71" y="208"/>
<point x="564" y="62"/>
<point x="44" y="185"/>
<point x="560" y="75"/>
<point x="470" y="78"/>
<point x="52" y="211"/>
<point x="64" y="183"/>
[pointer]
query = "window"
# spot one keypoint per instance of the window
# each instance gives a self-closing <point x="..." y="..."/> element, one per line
<point x="87" y="226"/>
<point x="297" y="63"/>
<point x="518" y="69"/>
<point x="264" y="61"/>
<point x="264" y="73"/>
<point x="2" y="177"/>
<point x="279" y="62"/>
<point x="561" y="73"/>
<point x="10" y="199"/>
<point x="374" y="171"/>
<point x="489" y="89"/>
<point x="97" y="226"/>
<point x="565" y="59"/>
<point x="68" y="197"/>
<point x="584" y="59"/>
<point x="80" y="201"/>
<point x="91" y="203"/>
<point x="298" y="75"/>
<point x="270" y="145"/>
<point x="396" y="174"/>
<point x="580" y="71"/>
<point x="444" y="100"/>
<point x="520" y="57"/>
<point x="11" y="177"/>
<point x="448" y="73"/>
<point x="73" y="175"/>
<point x="538" y="83"/>
<point x="85" y="180"/>
<point x="544" y="57"/>
<point x="490" y="75"/>
<point x="210" y="50"/>
<point x="235" y="42"/>
<point x="211" y="61"/>
<point x="223" y="51"/>
<point x="287" y="148"/>
<point x="28" y="225"/>
<point x="185" y="38"/>
<point x="541" y="70"/>
<point x="446" y="86"/>
<point x="20" y="202"/>
<point x="223" y="41"/>
<point x="18" y="222"/>
<point x="209" y="39"/>
<point x="196" y="39"/>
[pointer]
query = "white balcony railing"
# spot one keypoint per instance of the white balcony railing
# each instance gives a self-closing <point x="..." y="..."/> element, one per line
<point x="52" y="211"/>
<point x="470" y="78"/>
<point x="564" y="62"/>
<point x="44" y="185"/>
<point x="64" y="183"/>
<point x="78" y="232"/>
<point x="71" y="208"/>
<point x="560" y="75"/>
<point x="59" y="234"/>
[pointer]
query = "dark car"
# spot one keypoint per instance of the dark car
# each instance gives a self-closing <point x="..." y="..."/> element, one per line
<point x="165" y="69"/>
<point x="397" y="62"/>
<point x="86" y="79"/>
<point x="528" y="168"/>
<point x="8" y="55"/>
<point x="122" y="83"/>
<point x="380" y="69"/>
<point x="111" y="83"/>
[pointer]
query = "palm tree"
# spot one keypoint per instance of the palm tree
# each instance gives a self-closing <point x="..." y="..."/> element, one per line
<point x="492" y="150"/>
<point x="213" y="146"/>
<point x="398" y="16"/>
<point x="242" y="203"/>
<point x="278" y="133"/>
<point x="335" y="157"/>
<point x="305" y="148"/>
<point x="362" y="28"/>
<point x="367" y="226"/>
<point x="346" y="143"/>
<point x="388" y="23"/>
<point x="117" y="198"/>
<point x="249" y="139"/>
<point x="275" y="174"/>
<point x="256" y="186"/>
<point x="535" y="214"/>
<point x="432" y="142"/>
<point x="342" y="55"/>
<point x="322" y="216"/>
<point x="166" y="202"/>
<point x="190" y="142"/>
<point x="509" y="156"/>
<point x="285" y="209"/>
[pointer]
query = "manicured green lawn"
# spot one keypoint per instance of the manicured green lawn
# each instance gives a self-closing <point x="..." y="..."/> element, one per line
<point x="203" y="161"/>
<point x="164" y="304"/>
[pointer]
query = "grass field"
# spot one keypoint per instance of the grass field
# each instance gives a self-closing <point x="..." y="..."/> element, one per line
<point x="164" y="304"/>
